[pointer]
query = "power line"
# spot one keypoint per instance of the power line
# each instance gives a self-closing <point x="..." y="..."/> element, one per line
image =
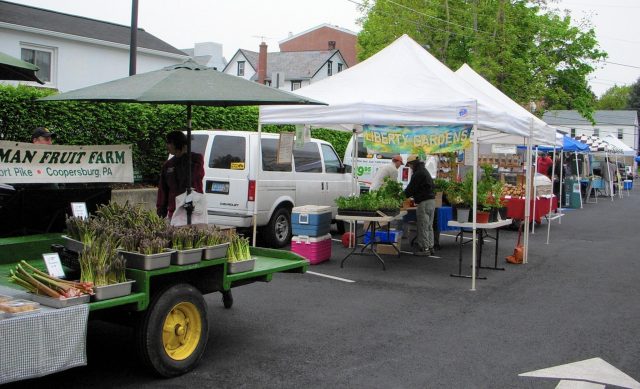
<point x="621" y="64"/>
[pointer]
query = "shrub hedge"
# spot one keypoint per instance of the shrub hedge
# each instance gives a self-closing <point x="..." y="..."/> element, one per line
<point x="142" y="125"/>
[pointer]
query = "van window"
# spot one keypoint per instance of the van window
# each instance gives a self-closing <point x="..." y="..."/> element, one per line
<point x="307" y="158"/>
<point x="199" y="143"/>
<point x="269" y="154"/>
<point x="331" y="161"/>
<point x="228" y="150"/>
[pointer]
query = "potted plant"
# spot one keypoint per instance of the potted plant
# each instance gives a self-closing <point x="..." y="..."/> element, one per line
<point x="388" y="200"/>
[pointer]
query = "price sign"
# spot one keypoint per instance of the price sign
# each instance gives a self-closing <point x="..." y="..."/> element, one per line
<point x="54" y="266"/>
<point x="80" y="210"/>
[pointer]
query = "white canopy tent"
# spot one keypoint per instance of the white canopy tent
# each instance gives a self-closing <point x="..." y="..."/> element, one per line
<point x="617" y="143"/>
<point x="403" y="85"/>
<point x="541" y="132"/>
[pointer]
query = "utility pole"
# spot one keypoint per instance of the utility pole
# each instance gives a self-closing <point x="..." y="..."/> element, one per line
<point x="133" y="44"/>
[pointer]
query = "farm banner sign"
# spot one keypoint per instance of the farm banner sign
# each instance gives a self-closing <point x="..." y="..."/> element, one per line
<point x="421" y="140"/>
<point x="24" y="163"/>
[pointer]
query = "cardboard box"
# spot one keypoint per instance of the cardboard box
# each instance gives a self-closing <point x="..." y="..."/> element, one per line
<point x="386" y="249"/>
<point x="438" y="199"/>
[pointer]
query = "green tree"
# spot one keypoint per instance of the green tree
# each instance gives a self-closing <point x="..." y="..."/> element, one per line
<point x="525" y="48"/>
<point x="616" y="97"/>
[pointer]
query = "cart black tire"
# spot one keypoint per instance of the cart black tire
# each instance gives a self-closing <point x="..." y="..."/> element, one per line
<point x="227" y="299"/>
<point x="277" y="233"/>
<point x="150" y="341"/>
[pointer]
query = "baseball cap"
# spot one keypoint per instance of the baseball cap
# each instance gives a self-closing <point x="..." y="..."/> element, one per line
<point x="42" y="131"/>
<point x="396" y="158"/>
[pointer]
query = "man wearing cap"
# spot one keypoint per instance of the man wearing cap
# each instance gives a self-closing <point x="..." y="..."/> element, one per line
<point x="421" y="189"/>
<point x="42" y="136"/>
<point x="390" y="170"/>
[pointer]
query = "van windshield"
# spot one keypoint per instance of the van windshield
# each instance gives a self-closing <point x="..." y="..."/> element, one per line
<point x="228" y="152"/>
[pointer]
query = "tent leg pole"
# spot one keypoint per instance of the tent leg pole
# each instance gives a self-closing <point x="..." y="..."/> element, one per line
<point x="475" y="202"/>
<point x="255" y="199"/>
<point x="527" y="191"/>
<point x="561" y="183"/>
<point x="553" y="176"/>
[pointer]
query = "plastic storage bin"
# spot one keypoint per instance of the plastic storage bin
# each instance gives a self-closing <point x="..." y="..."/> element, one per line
<point x="311" y="220"/>
<point x="314" y="249"/>
<point x="392" y="236"/>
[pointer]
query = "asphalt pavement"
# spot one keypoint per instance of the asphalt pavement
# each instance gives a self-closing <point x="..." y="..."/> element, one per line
<point x="413" y="325"/>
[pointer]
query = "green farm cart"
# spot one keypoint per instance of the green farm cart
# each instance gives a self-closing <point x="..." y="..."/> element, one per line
<point x="166" y="307"/>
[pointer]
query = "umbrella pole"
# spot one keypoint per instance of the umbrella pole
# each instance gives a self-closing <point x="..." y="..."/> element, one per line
<point x="189" y="207"/>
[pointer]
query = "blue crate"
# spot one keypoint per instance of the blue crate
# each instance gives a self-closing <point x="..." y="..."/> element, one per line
<point x="392" y="236"/>
<point x="628" y="184"/>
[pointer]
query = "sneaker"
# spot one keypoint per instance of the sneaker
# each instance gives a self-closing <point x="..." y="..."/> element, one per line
<point x="421" y="252"/>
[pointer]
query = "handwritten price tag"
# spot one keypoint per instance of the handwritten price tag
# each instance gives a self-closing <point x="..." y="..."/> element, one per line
<point x="54" y="266"/>
<point x="79" y="210"/>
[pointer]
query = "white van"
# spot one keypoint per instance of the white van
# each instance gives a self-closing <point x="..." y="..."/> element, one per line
<point x="368" y="163"/>
<point x="316" y="176"/>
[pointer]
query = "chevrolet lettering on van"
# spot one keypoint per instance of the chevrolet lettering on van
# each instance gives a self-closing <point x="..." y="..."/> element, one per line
<point x="229" y="204"/>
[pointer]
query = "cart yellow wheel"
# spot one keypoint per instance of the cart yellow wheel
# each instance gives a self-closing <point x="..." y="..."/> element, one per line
<point x="172" y="333"/>
<point x="181" y="331"/>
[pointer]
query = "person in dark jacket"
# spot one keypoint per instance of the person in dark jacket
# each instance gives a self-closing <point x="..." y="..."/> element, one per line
<point x="421" y="188"/>
<point x="173" y="176"/>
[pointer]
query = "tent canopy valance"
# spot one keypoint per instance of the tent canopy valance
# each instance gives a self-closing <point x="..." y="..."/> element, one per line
<point x="615" y="142"/>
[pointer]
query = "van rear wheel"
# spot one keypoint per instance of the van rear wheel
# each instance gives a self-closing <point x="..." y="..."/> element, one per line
<point x="277" y="233"/>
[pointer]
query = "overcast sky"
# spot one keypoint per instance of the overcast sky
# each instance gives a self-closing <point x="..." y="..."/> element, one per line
<point x="243" y="24"/>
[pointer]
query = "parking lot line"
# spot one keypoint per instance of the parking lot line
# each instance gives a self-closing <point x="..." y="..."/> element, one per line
<point x="328" y="276"/>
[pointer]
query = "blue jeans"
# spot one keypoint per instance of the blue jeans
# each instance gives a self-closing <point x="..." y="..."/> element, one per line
<point x="424" y="214"/>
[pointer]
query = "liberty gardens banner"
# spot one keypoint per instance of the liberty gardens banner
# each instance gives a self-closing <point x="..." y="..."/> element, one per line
<point x="421" y="140"/>
<point x="22" y="163"/>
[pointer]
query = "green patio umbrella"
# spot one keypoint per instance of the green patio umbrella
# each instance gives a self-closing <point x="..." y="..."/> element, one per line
<point x="17" y="70"/>
<point x="188" y="84"/>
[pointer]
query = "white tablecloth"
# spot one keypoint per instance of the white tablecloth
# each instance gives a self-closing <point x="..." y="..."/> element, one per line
<point x="37" y="344"/>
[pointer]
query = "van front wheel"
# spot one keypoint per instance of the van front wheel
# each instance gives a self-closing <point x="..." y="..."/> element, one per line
<point x="278" y="232"/>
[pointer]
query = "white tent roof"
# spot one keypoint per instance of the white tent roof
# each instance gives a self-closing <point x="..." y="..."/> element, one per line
<point x="400" y="85"/>
<point x="542" y="132"/>
<point x="615" y="142"/>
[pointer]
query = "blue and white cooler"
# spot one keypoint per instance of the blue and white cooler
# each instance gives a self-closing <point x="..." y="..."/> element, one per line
<point x="311" y="220"/>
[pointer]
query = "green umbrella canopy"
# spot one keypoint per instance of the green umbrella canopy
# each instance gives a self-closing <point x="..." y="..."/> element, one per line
<point x="186" y="83"/>
<point x="15" y="69"/>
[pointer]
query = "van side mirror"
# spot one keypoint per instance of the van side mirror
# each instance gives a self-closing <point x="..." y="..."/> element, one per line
<point x="344" y="169"/>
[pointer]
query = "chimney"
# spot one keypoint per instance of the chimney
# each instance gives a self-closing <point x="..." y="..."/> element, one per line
<point x="262" y="63"/>
<point x="332" y="45"/>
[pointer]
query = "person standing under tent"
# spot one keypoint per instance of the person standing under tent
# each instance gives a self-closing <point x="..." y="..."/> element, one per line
<point x="173" y="176"/>
<point x="544" y="164"/>
<point x="421" y="188"/>
<point x="390" y="170"/>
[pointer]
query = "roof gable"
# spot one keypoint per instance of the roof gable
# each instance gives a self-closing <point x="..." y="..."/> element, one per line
<point x="602" y="118"/>
<point x="324" y="25"/>
<point x="297" y="65"/>
<point x="22" y="15"/>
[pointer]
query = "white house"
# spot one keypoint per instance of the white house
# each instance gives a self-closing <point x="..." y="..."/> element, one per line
<point x="73" y="51"/>
<point x="286" y="70"/>
<point x="621" y="124"/>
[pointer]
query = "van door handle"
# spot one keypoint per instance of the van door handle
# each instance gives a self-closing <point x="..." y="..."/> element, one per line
<point x="327" y="186"/>
<point x="322" y="187"/>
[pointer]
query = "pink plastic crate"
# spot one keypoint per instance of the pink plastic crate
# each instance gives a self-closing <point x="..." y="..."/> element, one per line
<point x="314" y="249"/>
